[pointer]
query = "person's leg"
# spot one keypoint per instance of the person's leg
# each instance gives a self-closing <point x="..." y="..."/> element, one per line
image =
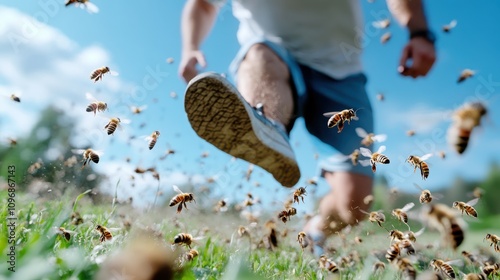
<point x="340" y="207"/>
<point x="349" y="184"/>
<point x="264" y="78"/>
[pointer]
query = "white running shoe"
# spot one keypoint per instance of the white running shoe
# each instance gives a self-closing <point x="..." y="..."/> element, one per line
<point x="219" y="114"/>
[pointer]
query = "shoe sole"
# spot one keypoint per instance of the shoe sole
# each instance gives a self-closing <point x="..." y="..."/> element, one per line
<point x="220" y="115"/>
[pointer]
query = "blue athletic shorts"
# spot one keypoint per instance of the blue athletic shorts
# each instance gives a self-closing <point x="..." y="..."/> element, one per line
<point x="317" y="93"/>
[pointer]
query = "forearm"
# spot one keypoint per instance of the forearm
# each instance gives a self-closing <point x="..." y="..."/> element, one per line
<point x="409" y="13"/>
<point x="197" y="20"/>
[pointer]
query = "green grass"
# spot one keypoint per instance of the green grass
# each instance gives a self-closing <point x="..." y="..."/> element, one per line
<point x="43" y="254"/>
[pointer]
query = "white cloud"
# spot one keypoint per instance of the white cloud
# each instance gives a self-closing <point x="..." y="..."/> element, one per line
<point x="420" y="118"/>
<point x="48" y="68"/>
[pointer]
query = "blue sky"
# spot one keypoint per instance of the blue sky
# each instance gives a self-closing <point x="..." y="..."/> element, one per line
<point x="50" y="62"/>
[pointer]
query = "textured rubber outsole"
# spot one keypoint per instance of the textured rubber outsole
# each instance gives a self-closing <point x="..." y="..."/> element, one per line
<point x="219" y="114"/>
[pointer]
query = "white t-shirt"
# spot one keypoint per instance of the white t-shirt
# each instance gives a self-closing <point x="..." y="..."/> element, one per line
<point x="322" y="34"/>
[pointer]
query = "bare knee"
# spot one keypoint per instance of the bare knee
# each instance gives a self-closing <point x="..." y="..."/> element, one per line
<point x="261" y="56"/>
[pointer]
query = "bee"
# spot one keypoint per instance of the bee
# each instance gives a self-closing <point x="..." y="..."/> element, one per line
<point x="448" y="27"/>
<point x="15" y="98"/>
<point x="380" y="97"/>
<point x="442" y="218"/>
<point x="299" y="193"/>
<point x="170" y="60"/>
<point x="425" y="195"/>
<point x="76" y="219"/>
<point x="475" y="276"/>
<point x="312" y="181"/>
<point x="249" y="172"/>
<point x="205" y="154"/>
<point x="89" y="155"/>
<point x="393" y="252"/>
<point x="491" y="269"/>
<point x="221" y="206"/>
<point x="354" y="156"/>
<point x="375" y="217"/>
<point x="84" y="4"/>
<point x="412" y="236"/>
<point x="443" y="267"/>
<point x="328" y="264"/>
<point x="105" y="233"/>
<point x="396" y="235"/>
<point x="378" y="267"/>
<point x="473" y="259"/>
<point x="410" y="133"/>
<point x="400" y="213"/>
<point x="465" y="74"/>
<point x="339" y="118"/>
<point x="358" y="240"/>
<point x="382" y="24"/>
<point x="113" y="124"/>
<point x="137" y="110"/>
<point x="377" y="157"/>
<point x="191" y="254"/>
<point x="467" y="207"/>
<point x="477" y="192"/>
<point x="65" y="233"/>
<point x="97" y="74"/>
<point x="465" y="119"/>
<point x="95" y="106"/>
<point x="418" y="162"/>
<point x="407" y="268"/>
<point x="407" y="246"/>
<point x="35" y="166"/>
<point x="272" y="237"/>
<point x="185" y="238"/>
<point x="152" y="139"/>
<point x="385" y="37"/>
<point x="494" y="241"/>
<point x="243" y="231"/>
<point x="12" y="142"/>
<point x="369" y="138"/>
<point x="442" y="154"/>
<point x="303" y="240"/>
<point x="286" y="214"/>
<point x="181" y="199"/>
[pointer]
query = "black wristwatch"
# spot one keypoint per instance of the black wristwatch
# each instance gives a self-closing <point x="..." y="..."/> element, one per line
<point x="426" y="34"/>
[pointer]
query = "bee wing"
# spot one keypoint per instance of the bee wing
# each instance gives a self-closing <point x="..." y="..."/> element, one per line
<point x="419" y="232"/>
<point x="78" y="151"/>
<point x="329" y="114"/>
<point x="408" y="207"/>
<point x="364" y="162"/>
<point x="418" y="187"/>
<point x="198" y="238"/>
<point x="380" y="137"/>
<point x="113" y="73"/>
<point x="452" y="24"/>
<point x="125" y="121"/>
<point x="425" y="157"/>
<point x="361" y="132"/>
<point x="363" y="211"/>
<point x="473" y="202"/>
<point x="176" y="188"/>
<point x="457" y="262"/>
<point x="366" y="152"/>
<point x="381" y="149"/>
<point x="91" y="8"/>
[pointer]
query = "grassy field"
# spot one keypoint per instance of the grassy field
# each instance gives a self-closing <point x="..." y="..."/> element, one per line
<point x="142" y="239"/>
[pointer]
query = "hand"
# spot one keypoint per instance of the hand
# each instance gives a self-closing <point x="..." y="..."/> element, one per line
<point x="187" y="67"/>
<point x="422" y="54"/>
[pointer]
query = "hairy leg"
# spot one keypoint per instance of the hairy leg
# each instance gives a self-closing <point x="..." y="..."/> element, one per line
<point x="340" y="207"/>
<point x="264" y="78"/>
